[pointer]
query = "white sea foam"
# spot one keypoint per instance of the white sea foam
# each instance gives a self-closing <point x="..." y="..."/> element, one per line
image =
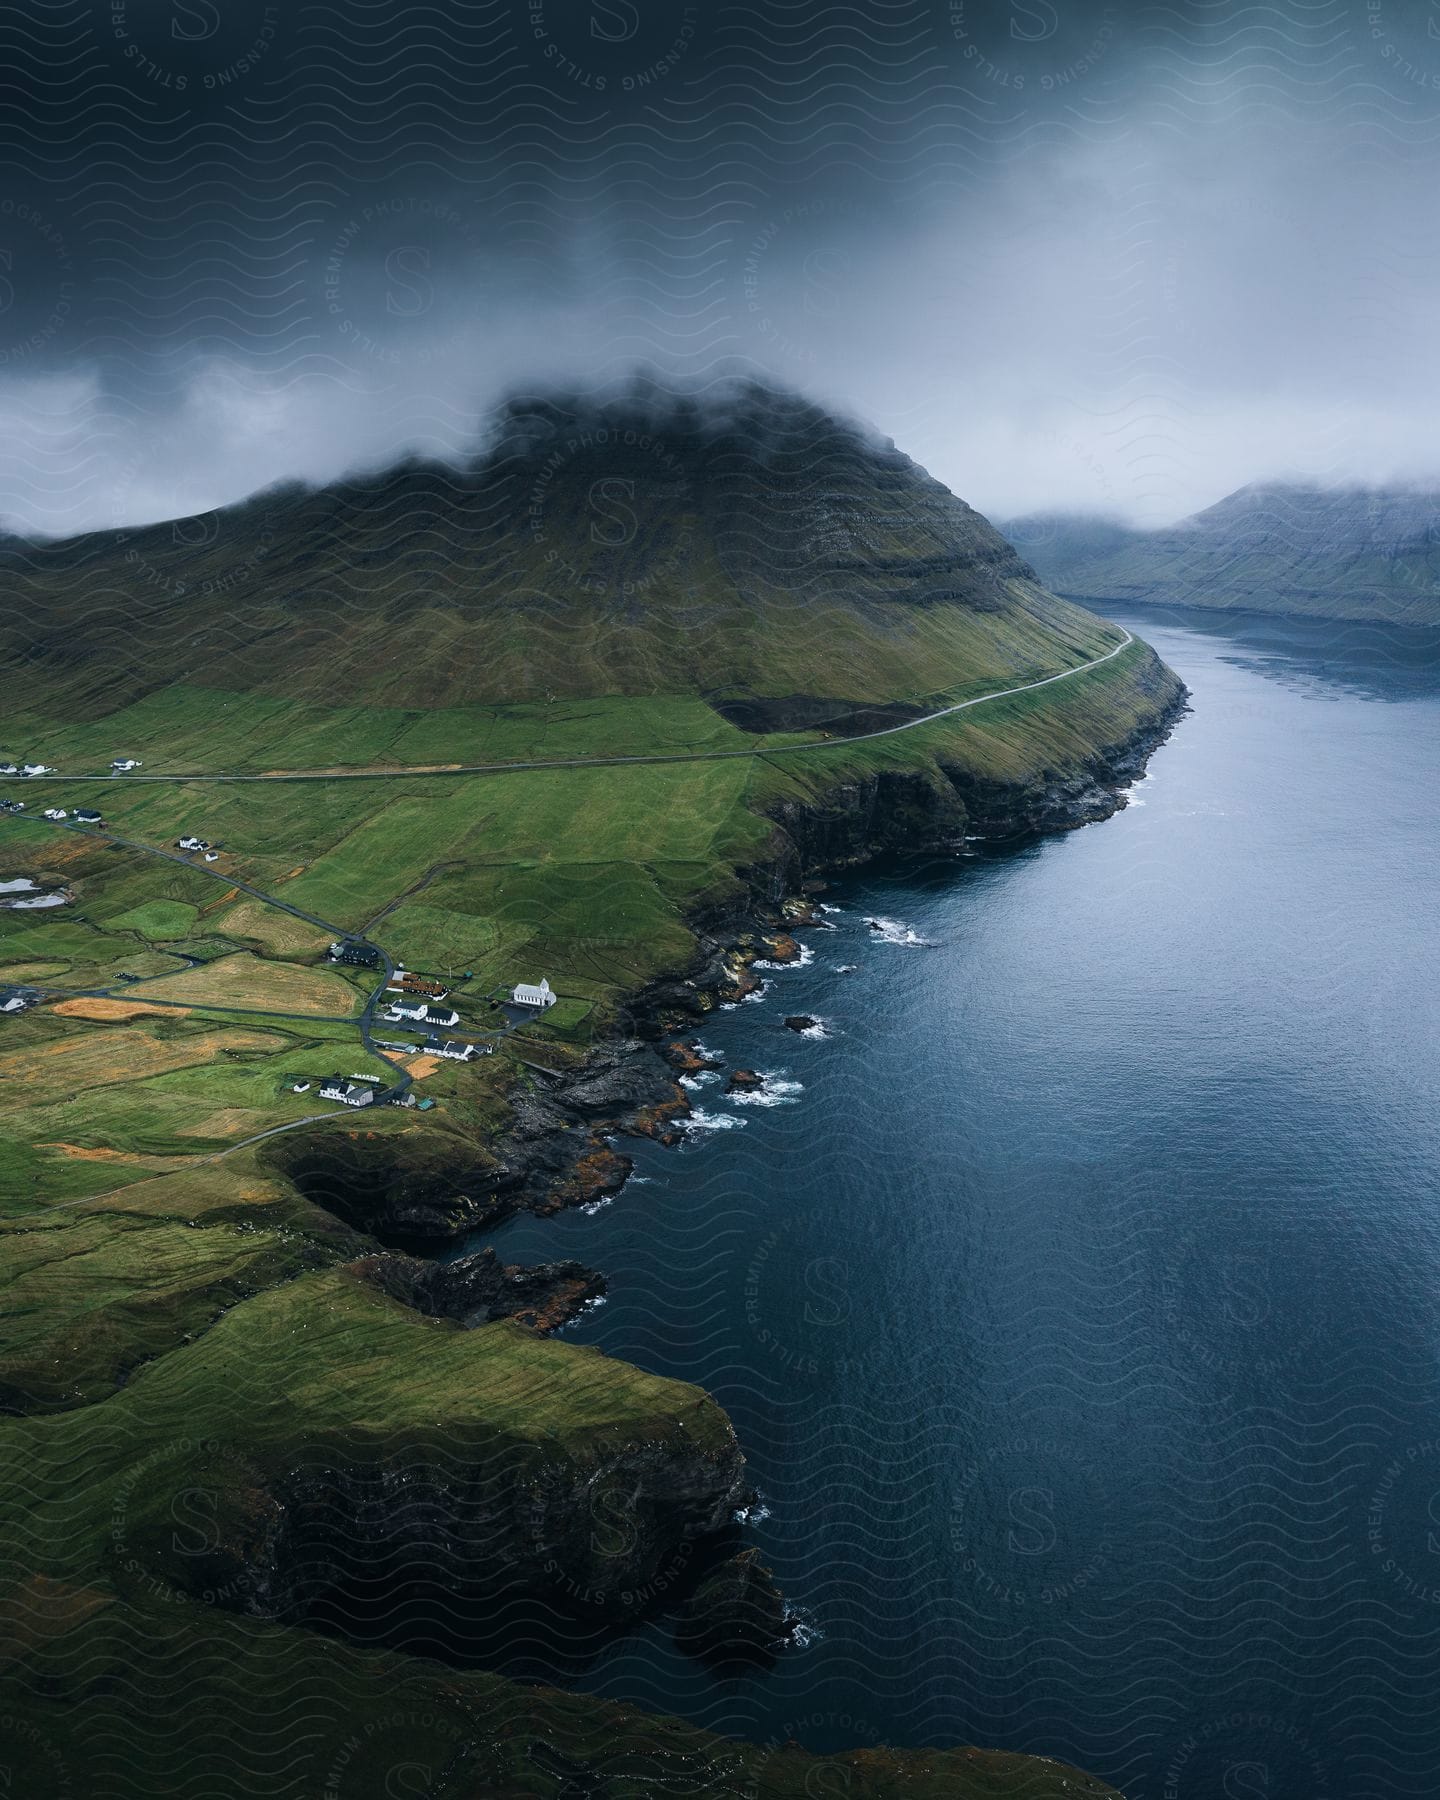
<point x="803" y="1630"/>
<point x="700" y="1121"/>
<point x="896" y="931"/>
<point x="777" y="1091"/>
<point x="593" y="1304"/>
<point x="1131" y="794"/>
<point x="752" y="1515"/>
<point x="806" y="956"/>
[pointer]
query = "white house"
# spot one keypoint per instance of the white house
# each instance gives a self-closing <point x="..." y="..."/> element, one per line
<point x="56" y="812"/>
<point x="421" y="1010"/>
<point x="9" y="768"/>
<point x="36" y="769"/>
<point x="12" y="1003"/>
<point x="87" y="815"/>
<point x="123" y="764"/>
<point x="527" y="994"/>
<point x="453" y="1048"/>
<point x="349" y="1093"/>
<point x="189" y="843"/>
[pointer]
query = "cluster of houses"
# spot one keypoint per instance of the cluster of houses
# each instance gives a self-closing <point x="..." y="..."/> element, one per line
<point x="418" y="1001"/>
<point x="190" y="842"/>
<point x="411" y="999"/>
<point x="122" y="765"/>
<point x="360" y="1090"/>
<point x="349" y="1090"/>
<point x="414" y="999"/>
<point x="419" y="1012"/>
<point x="12" y="806"/>
<point x="84" y="815"/>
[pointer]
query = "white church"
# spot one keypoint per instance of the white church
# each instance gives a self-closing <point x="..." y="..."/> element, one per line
<point x="527" y="994"/>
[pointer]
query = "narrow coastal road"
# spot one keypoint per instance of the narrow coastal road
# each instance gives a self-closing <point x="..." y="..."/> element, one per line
<point x="604" y="762"/>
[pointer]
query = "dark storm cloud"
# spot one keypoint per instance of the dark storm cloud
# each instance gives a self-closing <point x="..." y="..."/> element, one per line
<point x="1099" y="255"/>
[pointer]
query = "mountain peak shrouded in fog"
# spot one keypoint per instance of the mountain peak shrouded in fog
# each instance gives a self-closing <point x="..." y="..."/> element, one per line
<point x="1088" y="258"/>
<point x="637" y="541"/>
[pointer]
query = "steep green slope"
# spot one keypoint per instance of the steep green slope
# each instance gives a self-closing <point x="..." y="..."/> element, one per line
<point x="1329" y="553"/>
<point x="636" y="550"/>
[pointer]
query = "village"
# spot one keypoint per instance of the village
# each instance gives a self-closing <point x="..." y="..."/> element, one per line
<point x="410" y="1001"/>
<point x="82" y="815"/>
<point x="420" y="1002"/>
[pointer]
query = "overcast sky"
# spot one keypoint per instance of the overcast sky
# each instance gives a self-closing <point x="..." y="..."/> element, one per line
<point x="1122" y="257"/>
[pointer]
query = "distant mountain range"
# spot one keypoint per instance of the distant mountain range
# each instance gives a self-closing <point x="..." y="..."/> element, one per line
<point x="1330" y="553"/>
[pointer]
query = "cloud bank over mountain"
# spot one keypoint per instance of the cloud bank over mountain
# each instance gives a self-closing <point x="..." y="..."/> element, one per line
<point x="1091" y="257"/>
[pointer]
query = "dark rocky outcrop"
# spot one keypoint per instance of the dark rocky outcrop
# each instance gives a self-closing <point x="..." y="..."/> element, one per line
<point x="690" y="1059"/>
<point x="744" y="1081"/>
<point x="736" y="1615"/>
<point x="801" y="1022"/>
<point x="414" y="1542"/>
<point x="417" y="1191"/>
<point x="476" y="1289"/>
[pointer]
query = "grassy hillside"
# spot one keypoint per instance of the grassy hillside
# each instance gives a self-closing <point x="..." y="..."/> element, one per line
<point x="185" y="1338"/>
<point x="1328" y="553"/>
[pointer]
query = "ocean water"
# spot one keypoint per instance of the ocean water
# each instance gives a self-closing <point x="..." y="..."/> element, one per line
<point x="1076" y="1290"/>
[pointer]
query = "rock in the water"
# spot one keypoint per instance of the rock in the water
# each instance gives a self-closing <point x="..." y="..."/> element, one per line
<point x="744" y="1081"/>
<point x="691" y="1058"/>
<point x="736" y="1614"/>
<point x="801" y="1022"/>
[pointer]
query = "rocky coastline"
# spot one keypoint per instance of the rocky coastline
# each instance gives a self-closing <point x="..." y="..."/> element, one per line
<point x="562" y="1146"/>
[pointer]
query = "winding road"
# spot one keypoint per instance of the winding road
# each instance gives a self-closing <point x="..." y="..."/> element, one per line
<point x="605" y="762"/>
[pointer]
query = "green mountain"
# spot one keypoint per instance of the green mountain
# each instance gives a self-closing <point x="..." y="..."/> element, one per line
<point x="1329" y="553"/>
<point x="592" y="708"/>
<point x="757" y="546"/>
